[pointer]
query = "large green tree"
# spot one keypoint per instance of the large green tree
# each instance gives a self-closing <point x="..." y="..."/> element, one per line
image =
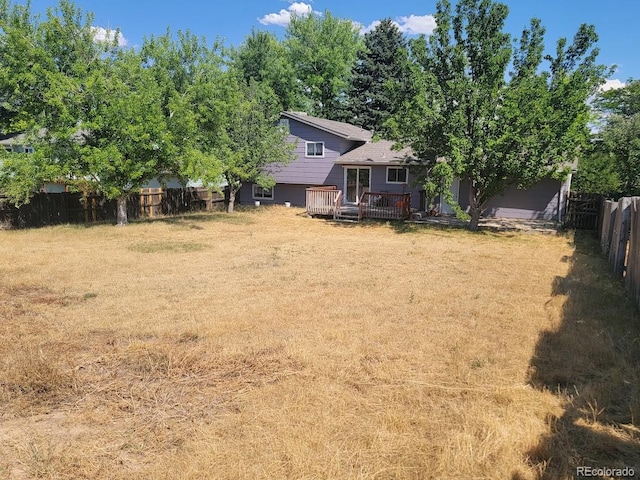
<point x="617" y="139"/>
<point x="237" y="132"/>
<point x="597" y="172"/>
<point x="469" y="118"/>
<point x="99" y="117"/>
<point x="263" y="59"/>
<point x="124" y="139"/>
<point x="379" y="78"/>
<point x="322" y="51"/>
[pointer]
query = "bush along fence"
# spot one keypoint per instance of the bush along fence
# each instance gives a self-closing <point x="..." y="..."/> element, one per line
<point x="74" y="207"/>
<point x="620" y="240"/>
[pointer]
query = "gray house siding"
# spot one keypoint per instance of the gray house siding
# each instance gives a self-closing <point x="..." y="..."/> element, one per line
<point x="312" y="170"/>
<point x="293" y="179"/>
<point x="539" y="202"/>
<point x="296" y="194"/>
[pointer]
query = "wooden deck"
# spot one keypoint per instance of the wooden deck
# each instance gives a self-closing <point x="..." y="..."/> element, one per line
<point x="328" y="201"/>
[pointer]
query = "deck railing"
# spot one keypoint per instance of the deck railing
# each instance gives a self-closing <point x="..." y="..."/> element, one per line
<point x="322" y="200"/>
<point x="337" y="205"/>
<point x="391" y="206"/>
<point x="329" y="201"/>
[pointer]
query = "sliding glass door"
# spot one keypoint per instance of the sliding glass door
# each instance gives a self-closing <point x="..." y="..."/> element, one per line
<point x="356" y="182"/>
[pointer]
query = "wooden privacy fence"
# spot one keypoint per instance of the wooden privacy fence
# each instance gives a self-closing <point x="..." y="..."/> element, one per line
<point x="620" y="240"/>
<point x="56" y="208"/>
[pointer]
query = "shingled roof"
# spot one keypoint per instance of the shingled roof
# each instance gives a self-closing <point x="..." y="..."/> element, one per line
<point x="340" y="129"/>
<point x="377" y="153"/>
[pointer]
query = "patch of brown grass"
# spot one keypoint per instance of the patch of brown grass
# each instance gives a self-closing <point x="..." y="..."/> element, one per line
<point x="267" y="345"/>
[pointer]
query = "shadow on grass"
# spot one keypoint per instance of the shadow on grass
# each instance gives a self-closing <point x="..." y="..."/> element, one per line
<point x="592" y="362"/>
<point x="491" y="227"/>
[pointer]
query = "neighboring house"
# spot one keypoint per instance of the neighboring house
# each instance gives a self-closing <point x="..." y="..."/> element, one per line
<point x="338" y="154"/>
<point x="16" y="143"/>
<point x="330" y="153"/>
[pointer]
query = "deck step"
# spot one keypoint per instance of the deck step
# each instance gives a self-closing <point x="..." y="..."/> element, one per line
<point x="346" y="215"/>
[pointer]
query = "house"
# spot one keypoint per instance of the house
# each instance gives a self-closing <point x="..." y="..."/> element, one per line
<point x="18" y="143"/>
<point x="331" y="153"/>
<point x="337" y="154"/>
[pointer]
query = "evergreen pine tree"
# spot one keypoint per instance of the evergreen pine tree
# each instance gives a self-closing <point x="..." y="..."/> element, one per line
<point x="379" y="78"/>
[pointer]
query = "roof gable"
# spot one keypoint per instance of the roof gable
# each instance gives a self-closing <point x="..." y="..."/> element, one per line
<point x="378" y="153"/>
<point x="340" y="129"/>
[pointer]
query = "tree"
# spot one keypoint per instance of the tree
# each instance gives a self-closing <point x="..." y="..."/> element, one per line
<point x="597" y="172"/>
<point x="322" y="51"/>
<point x="99" y="117"/>
<point x="263" y="59"/>
<point x="379" y="78"/>
<point x="620" y="101"/>
<point x="239" y="139"/>
<point x="618" y="138"/>
<point x="469" y="119"/>
<point x="125" y="138"/>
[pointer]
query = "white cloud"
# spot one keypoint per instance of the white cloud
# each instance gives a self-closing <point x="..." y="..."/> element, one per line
<point x="367" y="29"/>
<point x="612" y="84"/>
<point x="283" y="17"/>
<point x="413" y="25"/>
<point x="104" y="35"/>
<point x="417" y="24"/>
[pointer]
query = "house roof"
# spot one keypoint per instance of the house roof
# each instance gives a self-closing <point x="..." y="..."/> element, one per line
<point x="10" y="139"/>
<point x="340" y="129"/>
<point x="377" y="153"/>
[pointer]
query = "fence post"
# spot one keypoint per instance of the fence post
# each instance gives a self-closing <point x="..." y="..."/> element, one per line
<point x="618" y="251"/>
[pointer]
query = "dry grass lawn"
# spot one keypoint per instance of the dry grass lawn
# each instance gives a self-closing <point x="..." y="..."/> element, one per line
<point x="264" y="345"/>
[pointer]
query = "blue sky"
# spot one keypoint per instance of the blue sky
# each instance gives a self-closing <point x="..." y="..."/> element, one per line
<point x="616" y="20"/>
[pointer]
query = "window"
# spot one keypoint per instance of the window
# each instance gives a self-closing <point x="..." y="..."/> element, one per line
<point x="19" y="149"/>
<point x="260" y="193"/>
<point x="397" y="174"/>
<point x="315" y="149"/>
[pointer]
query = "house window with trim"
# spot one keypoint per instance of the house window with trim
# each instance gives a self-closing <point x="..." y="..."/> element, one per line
<point x="261" y="193"/>
<point x="315" y="149"/>
<point x="397" y="174"/>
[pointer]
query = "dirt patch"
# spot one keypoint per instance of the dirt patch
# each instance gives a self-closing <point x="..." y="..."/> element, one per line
<point x="496" y="224"/>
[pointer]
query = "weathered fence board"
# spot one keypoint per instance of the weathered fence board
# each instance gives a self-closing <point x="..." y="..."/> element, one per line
<point x="632" y="277"/>
<point x="620" y="241"/>
<point x="620" y="237"/>
<point x="608" y="215"/>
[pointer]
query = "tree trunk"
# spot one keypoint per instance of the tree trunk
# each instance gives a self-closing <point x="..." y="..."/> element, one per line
<point x="475" y="209"/>
<point x="121" y="203"/>
<point x="231" y="200"/>
<point x="475" y="218"/>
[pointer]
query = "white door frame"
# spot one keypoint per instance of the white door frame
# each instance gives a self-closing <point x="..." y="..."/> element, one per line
<point x="358" y="192"/>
